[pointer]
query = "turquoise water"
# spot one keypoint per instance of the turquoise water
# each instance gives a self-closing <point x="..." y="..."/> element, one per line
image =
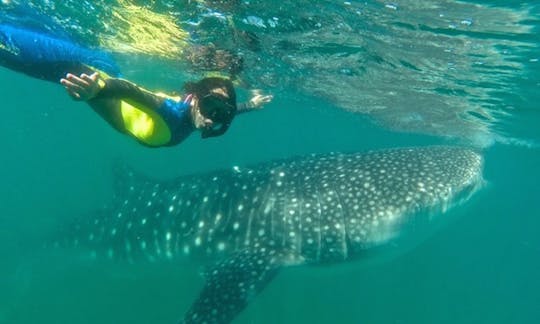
<point x="481" y="268"/>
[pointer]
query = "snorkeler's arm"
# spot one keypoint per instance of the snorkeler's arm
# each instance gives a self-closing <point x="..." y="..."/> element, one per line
<point x="93" y="87"/>
<point x="255" y="103"/>
<point x="126" y="90"/>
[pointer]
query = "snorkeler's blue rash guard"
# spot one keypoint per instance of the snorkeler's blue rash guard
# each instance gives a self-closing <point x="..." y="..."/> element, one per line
<point x="47" y="57"/>
<point x="154" y="120"/>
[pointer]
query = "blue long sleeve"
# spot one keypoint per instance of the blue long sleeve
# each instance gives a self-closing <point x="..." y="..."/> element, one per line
<point x="46" y="57"/>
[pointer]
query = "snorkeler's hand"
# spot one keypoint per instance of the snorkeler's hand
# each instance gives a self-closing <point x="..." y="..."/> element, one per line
<point x="258" y="100"/>
<point x="82" y="88"/>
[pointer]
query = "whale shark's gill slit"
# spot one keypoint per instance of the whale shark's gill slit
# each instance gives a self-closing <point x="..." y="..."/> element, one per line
<point x="284" y="219"/>
<point x="221" y="218"/>
<point x="219" y="222"/>
<point x="227" y="213"/>
<point x="343" y="226"/>
<point x="266" y="211"/>
<point x="318" y="229"/>
<point x="301" y="216"/>
<point x="290" y="211"/>
<point x="249" y="228"/>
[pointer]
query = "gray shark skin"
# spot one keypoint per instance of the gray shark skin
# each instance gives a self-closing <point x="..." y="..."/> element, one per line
<point x="248" y="223"/>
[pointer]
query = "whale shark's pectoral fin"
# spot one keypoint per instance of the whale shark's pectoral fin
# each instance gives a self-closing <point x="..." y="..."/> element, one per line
<point x="231" y="284"/>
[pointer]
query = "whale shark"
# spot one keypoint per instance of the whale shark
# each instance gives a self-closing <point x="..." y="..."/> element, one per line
<point x="244" y="224"/>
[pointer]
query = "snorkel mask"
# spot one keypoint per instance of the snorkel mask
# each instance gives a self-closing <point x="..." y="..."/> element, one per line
<point x="219" y="110"/>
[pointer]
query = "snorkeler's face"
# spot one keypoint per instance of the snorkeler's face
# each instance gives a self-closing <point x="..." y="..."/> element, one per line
<point x="215" y="113"/>
<point x="199" y="120"/>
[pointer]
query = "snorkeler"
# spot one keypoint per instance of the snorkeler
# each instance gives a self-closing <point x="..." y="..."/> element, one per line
<point x="155" y="119"/>
<point x="88" y="74"/>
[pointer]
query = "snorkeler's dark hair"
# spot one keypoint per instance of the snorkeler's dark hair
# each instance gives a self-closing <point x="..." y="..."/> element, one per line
<point x="204" y="87"/>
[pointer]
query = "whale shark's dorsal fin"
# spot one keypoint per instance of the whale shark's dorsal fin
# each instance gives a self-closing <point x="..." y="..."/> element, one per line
<point x="233" y="282"/>
<point x="126" y="180"/>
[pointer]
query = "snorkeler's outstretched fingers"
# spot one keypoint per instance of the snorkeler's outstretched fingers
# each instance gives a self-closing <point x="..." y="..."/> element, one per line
<point x="84" y="87"/>
<point x="71" y="83"/>
<point x="267" y="98"/>
<point x="259" y="100"/>
<point x="90" y="79"/>
<point x="83" y="82"/>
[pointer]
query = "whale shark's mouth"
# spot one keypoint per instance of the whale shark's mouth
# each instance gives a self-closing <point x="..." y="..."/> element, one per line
<point x="410" y="218"/>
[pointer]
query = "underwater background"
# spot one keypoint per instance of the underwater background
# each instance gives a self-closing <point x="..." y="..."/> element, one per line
<point x="346" y="76"/>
